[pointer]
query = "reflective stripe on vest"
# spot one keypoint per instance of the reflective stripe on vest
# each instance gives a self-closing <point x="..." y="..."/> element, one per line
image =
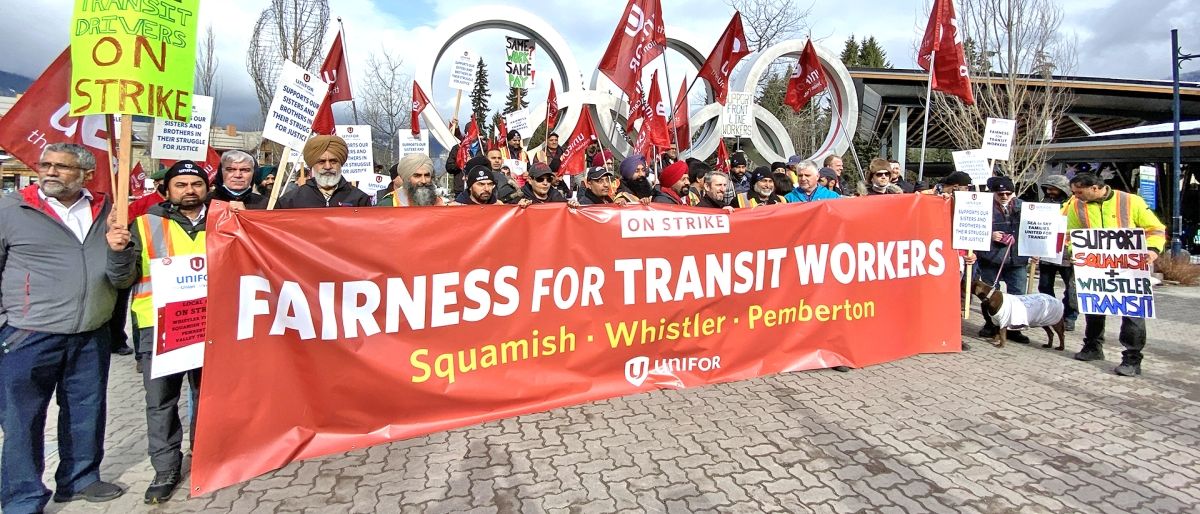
<point x="744" y="200"/>
<point x="161" y="238"/>
<point x="1081" y="213"/>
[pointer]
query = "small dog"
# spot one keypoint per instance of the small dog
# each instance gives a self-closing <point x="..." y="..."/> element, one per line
<point x="1020" y="311"/>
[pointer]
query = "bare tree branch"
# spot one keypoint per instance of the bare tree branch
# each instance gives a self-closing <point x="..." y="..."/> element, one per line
<point x="386" y="100"/>
<point x="287" y="29"/>
<point x="207" y="63"/>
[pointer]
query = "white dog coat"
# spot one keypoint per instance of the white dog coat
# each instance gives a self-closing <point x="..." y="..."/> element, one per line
<point x="1030" y="310"/>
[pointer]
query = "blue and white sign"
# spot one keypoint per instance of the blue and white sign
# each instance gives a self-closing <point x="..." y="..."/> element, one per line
<point x="1148" y="185"/>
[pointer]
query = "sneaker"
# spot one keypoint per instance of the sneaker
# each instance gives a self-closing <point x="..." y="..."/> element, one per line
<point x="99" y="491"/>
<point x="1090" y="354"/>
<point x="124" y="349"/>
<point x="1069" y="326"/>
<point x="163" y="486"/>
<point x="1018" y="338"/>
<point x="987" y="331"/>
<point x="1128" y="370"/>
<point x="842" y="369"/>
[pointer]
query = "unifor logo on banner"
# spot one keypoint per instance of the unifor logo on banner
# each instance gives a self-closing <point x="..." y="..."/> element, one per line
<point x="638" y="369"/>
<point x="197" y="263"/>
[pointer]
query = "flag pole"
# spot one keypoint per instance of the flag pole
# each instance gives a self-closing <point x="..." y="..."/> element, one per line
<point x="121" y="196"/>
<point x="925" y="124"/>
<point x="280" y="178"/>
<point x="457" y="103"/>
<point x="346" y="51"/>
<point x="849" y="139"/>
<point x="667" y="77"/>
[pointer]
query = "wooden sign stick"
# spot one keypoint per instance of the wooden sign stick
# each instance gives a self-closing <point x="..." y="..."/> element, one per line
<point x="123" y="166"/>
<point x="967" y="294"/>
<point x="281" y="176"/>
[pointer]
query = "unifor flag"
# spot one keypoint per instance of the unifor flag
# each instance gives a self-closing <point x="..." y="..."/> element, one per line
<point x="638" y="39"/>
<point x="808" y="80"/>
<point x="679" y="122"/>
<point x="943" y="45"/>
<point x="654" y="132"/>
<point x="575" y="151"/>
<point x="637" y="107"/>
<point x="323" y="122"/>
<point x="730" y="49"/>
<point x="40" y="117"/>
<point x="335" y="73"/>
<point x="722" y="157"/>
<point x="464" y="146"/>
<point x="551" y="109"/>
<point x="418" y="104"/>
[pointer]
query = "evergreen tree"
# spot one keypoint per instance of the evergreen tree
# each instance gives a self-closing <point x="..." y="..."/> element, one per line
<point x="480" y="96"/>
<point x="871" y="55"/>
<point x="850" y="52"/>
<point x="510" y="102"/>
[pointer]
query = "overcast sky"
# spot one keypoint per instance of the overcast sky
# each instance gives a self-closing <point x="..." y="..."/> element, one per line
<point x="1116" y="38"/>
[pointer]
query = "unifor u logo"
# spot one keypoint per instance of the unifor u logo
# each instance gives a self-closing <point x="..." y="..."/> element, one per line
<point x="197" y="263"/>
<point x="637" y="370"/>
<point x="633" y="23"/>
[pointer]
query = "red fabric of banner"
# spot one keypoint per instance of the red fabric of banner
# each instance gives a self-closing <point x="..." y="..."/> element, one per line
<point x="40" y="117"/>
<point x="339" y="338"/>
<point x="574" y="155"/>
<point x="654" y="123"/>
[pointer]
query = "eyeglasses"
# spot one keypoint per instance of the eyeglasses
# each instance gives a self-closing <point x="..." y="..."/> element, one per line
<point x="882" y="174"/>
<point x="1004" y="193"/>
<point x="47" y="166"/>
<point x="543" y="178"/>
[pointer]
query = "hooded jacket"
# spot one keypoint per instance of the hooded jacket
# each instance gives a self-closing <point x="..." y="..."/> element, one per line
<point x="309" y="196"/>
<point x="49" y="281"/>
<point x="552" y="196"/>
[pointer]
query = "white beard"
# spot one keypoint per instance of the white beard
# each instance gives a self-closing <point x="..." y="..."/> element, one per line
<point x="327" y="181"/>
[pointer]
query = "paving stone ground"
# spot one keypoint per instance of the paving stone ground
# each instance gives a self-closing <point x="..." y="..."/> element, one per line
<point x="1019" y="429"/>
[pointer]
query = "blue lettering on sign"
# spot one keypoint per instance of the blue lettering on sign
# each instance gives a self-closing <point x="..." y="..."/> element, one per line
<point x="191" y="279"/>
<point x="1133" y="306"/>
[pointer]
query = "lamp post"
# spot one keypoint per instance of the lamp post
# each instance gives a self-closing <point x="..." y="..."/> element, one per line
<point x="1176" y="218"/>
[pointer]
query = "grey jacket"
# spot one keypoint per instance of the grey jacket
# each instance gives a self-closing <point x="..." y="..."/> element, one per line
<point x="49" y="282"/>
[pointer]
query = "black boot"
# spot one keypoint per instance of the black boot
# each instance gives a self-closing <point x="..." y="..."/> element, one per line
<point x="163" y="486"/>
<point x="1090" y="352"/>
<point x="1131" y="365"/>
<point x="988" y="330"/>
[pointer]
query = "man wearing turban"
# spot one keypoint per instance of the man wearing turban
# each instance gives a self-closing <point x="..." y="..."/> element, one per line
<point x="325" y="155"/>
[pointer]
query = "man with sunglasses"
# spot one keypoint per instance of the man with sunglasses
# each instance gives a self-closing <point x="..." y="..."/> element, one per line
<point x="1002" y="259"/>
<point x="539" y="188"/>
<point x="880" y="178"/>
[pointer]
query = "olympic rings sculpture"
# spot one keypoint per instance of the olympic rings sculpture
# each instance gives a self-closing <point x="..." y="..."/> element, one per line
<point x="770" y="139"/>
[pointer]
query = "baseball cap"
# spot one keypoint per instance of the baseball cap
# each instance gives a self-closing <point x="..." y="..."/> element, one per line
<point x="597" y="172"/>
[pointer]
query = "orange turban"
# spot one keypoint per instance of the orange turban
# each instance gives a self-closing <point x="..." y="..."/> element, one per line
<point x="318" y="145"/>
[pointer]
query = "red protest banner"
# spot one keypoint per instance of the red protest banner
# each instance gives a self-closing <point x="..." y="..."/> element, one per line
<point x="386" y="343"/>
<point x="41" y="117"/>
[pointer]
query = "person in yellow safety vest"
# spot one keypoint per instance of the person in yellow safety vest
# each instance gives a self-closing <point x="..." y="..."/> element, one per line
<point x="762" y="190"/>
<point x="173" y="228"/>
<point x="512" y="150"/>
<point x="1094" y="204"/>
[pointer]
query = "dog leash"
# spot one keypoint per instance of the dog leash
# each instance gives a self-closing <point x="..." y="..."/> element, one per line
<point x="1000" y="270"/>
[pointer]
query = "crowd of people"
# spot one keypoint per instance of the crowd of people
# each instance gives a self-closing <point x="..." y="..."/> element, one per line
<point x="71" y="274"/>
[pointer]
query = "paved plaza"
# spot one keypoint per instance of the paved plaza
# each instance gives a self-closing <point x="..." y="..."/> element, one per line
<point x="1018" y="429"/>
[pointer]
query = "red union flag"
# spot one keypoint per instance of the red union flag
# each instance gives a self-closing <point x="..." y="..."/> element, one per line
<point x="464" y="145"/>
<point x="730" y="49"/>
<point x="943" y="45"/>
<point x="575" y="151"/>
<point x="637" y="107"/>
<point x="679" y="123"/>
<point x="807" y="81"/>
<point x="323" y="122"/>
<point x="418" y="104"/>
<point x="654" y="122"/>
<point x="638" y="39"/>
<point x="722" y="157"/>
<point x="40" y="117"/>
<point x="335" y="73"/>
<point x="551" y="109"/>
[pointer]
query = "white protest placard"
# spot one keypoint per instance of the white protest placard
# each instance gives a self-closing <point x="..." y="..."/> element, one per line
<point x="1043" y="231"/>
<point x="1112" y="275"/>
<point x="462" y="73"/>
<point x="409" y="144"/>
<point x="520" y="55"/>
<point x="519" y="121"/>
<point x="360" y="161"/>
<point x="298" y="95"/>
<point x="374" y="184"/>
<point x="998" y="137"/>
<point x="972" y="221"/>
<point x="179" y="141"/>
<point x="973" y="163"/>
<point x="737" y="118"/>
<point x="180" y="298"/>
<point x="516" y="166"/>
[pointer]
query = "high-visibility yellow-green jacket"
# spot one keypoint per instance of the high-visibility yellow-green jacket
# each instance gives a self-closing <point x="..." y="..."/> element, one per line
<point x="1117" y="210"/>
